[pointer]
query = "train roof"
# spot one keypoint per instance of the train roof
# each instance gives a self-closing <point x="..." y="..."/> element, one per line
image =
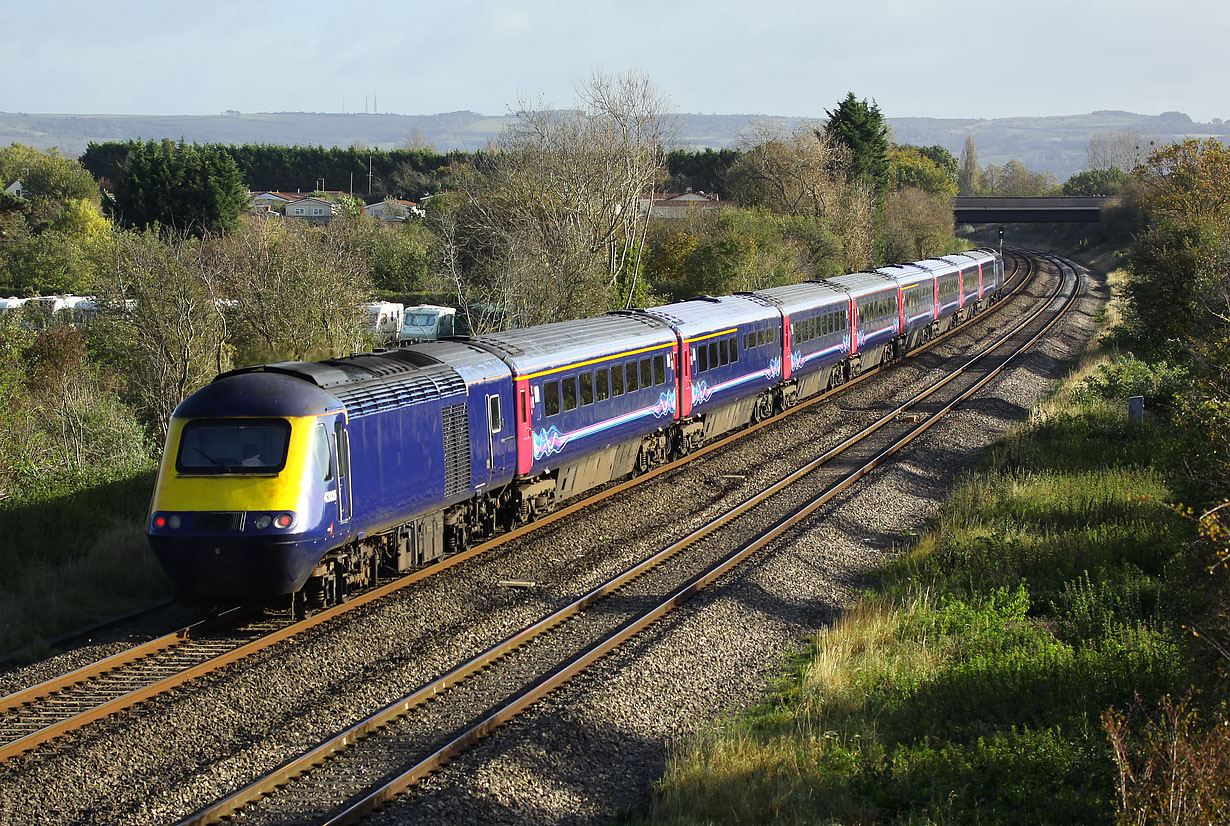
<point x="473" y="363"/>
<point x="859" y="284"/>
<point x="547" y="347"/>
<point x="907" y="274"/>
<point x="707" y="314"/>
<point x="363" y="384"/>
<point x="795" y="298"/>
<point x="939" y="266"/>
<point x="251" y="393"/>
<point x="960" y="259"/>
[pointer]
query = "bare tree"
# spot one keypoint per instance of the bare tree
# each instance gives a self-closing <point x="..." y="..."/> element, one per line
<point x="160" y="322"/>
<point x="800" y="173"/>
<point x="545" y="221"/>
<point x="1117" y="150"/>
<point x="293" y="289"/>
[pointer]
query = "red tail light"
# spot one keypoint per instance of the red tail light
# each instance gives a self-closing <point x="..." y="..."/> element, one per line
<point x="160" y="521"/>
<point x="282" y="520"/>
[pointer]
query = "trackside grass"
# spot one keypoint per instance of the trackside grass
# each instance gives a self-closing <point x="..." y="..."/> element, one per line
<point x="74" y="552"/>
<point x="970" y="686"/>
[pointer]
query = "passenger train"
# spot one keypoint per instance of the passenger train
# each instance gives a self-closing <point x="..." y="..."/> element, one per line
<point x="312" y="479"/>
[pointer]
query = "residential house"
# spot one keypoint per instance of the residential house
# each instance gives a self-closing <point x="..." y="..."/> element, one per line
<point x="15" y="188"/>
<point x="674" y="205"/>
<point x="394" y="210"/>
<point x="311" y="209"/>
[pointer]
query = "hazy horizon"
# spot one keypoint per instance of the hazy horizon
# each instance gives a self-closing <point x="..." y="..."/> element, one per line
<point x="944" y="59"/>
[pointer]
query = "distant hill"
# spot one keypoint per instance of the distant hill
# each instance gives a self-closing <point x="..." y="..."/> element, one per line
<point x="1051" y="144"/>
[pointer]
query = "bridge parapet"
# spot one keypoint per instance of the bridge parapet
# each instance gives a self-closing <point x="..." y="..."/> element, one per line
<point x="1004" y="210"/>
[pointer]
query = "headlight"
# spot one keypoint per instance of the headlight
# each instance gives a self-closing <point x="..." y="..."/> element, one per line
<point x="263" y="521"/>
<point x="173" y="522"/>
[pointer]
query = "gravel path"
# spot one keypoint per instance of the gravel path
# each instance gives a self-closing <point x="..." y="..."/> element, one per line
<point x="595" y="748"/>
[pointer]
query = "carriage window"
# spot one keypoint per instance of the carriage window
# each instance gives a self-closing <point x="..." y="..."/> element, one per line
<point x="734" y="350"/>
<point x="570" y="393"/>
<point x="713" y="355"/>
<point x="494" y="422"/>
<point x="646" y="373"/>
<point x="617" y="380"/>
<point x="550" y="397"/>
<point x="760" y="338"/>
<point x="602" y="385"/>
<point x="587" y="388"/>
<point x="723" y="352"/>
<point x="659" y="369"/>
<point x="702" y="358"/>
<point x="631" y="374"/>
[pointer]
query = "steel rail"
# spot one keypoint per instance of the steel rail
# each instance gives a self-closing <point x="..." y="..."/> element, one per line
<point x="354" y="812"/>
<point x="144" y="651"/>
<point x="345" y="739"/>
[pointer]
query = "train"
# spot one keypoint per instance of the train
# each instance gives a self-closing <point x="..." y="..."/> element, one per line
<point x="313" y="479"/>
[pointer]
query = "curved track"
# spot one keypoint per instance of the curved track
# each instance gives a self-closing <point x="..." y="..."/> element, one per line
<point x="364" y="766"/>
<point x="57" y="707"/>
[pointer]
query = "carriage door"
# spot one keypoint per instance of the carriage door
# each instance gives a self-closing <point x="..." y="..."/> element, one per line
<point x="341" y="445"/>
<point x="495" y="427"/>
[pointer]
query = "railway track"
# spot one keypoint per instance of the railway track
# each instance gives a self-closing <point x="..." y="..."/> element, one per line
<point x="62" y="705"/>
<point x="363" y="767"/>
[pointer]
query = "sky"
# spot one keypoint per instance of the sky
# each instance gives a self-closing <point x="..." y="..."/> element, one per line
<point x="927" y="58"/>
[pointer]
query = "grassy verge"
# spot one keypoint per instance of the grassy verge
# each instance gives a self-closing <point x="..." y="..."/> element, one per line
<point x="971" y="686"/>
<point x="74" y="552"/>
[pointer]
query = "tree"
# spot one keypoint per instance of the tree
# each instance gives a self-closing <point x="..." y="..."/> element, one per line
<point x="1178" y="288"/>
<point x="547" y="222"/>
<point x="970" y="180"/>
<point x="917" y="225"/>
<point x="160" y="324"/>
<point x="48" y="181"/>
<point x="943" y="159"/>
<point x="910" y="168"/>
<point x="293" y="290"/>
<point x="802" y="173"/>
<point x="859" y="126"/>
<point x="1116" y="150"/>
<point x="1013" y="179"/>
<point x="185" y="187"/>
<point x="1094" y="182"/>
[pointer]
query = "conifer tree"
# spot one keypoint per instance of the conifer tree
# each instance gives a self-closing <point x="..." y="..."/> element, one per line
<point x="859" y="126"/>
<point x="184" y="187"/>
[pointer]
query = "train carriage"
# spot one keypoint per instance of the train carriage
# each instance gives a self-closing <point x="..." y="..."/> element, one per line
<point x="732" y="350"/>
<point x="310" y="478"/>
<point x="594" y="397"/>
<point x="875" y="318"/>
<point x="817" y="318"/>
<point x="919" y="303"/>
<point x="991" y="275"/>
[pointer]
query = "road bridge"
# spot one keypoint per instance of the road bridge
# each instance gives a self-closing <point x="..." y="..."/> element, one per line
<point x="996" y="210"/>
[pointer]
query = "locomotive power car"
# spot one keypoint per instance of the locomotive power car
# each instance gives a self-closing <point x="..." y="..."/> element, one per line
<point x="313" y="478"/>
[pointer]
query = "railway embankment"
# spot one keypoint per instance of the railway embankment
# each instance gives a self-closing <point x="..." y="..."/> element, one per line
<point x="1027" y="660"/>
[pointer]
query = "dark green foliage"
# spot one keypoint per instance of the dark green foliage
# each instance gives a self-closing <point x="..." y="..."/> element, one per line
<point x="739" y="250"/>
<point x="703" y="171"/>
<point x="400" y="173"/>
<point x="1159" y="383"/>
<point x="184" y="187"/>
<point x="1171" y="268"/>
<point x="942" y="158"/>
<point x="1094" y="182"/>
<point x="859" y="126"/>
